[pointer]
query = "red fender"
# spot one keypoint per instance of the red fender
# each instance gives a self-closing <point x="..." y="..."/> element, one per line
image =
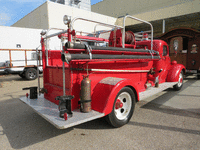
<point x="174" y="72"/>
<point x="105" y="92"/>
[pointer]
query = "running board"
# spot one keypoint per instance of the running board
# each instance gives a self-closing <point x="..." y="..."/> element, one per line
<point x="154" y="90"/>
<point x="50" y="112"/>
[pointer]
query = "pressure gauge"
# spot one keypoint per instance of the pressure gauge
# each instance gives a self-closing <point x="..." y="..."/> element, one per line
<point x="66" y="19"/>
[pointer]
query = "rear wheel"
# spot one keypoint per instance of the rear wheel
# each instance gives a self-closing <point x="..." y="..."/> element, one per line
<point x="179" y="85"/>
<point x="123" y="108"/>
<point x="31" y="74"/>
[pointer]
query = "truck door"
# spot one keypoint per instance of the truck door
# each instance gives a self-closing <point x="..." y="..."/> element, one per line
<point x="162" y="66"/>
<point x="165" y="59"/>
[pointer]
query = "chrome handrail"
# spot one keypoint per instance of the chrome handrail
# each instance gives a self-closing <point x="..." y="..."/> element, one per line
<point x="99" y="23"/>
<point x="123" y="34"/>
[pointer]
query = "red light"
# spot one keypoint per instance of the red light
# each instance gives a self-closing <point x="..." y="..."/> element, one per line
<point x="65" y="116"/>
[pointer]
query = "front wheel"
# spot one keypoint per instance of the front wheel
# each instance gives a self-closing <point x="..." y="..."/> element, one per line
<point x="123" y="108"/>
<point x="198" y="74"/>
<point x="179" y="85"/>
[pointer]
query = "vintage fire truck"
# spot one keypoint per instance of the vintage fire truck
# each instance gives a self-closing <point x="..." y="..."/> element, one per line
<point x="84" y="82"/>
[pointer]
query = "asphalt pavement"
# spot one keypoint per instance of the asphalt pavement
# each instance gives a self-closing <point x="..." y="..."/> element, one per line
<point x="168" y="120"/>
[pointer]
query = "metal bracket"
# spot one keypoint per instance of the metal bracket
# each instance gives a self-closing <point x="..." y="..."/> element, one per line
<point x="33" y="92"/>
<point x="157" y="81"/>
<point x="89" y="49"/>
<point x="65" y="105"/>
<point x="43" y="90"/>
<point x="151" y="52"/>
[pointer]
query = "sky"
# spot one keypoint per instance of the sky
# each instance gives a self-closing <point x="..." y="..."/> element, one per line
<point x="13" y="10"/>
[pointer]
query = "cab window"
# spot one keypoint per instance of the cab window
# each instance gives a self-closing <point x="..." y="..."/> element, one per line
<point x="164" y="50"/>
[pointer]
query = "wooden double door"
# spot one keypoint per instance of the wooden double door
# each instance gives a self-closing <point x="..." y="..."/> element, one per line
<point x="184" y="47"/>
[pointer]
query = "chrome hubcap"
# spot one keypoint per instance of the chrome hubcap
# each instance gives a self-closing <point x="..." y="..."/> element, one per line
<point x="180" y="80"/>
<point x="123" y="105"/>
<point x="31" y="75"/>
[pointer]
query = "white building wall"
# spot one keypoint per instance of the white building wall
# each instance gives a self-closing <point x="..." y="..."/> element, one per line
<point x="26" y="37"/>
<point x="57" y="11"/>
<point x="50" y="15"/>
<point x="12" y="37"/>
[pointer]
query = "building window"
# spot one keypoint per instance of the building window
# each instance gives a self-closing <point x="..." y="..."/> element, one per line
<point x="194" y="48"/>
<point x="77" y="2"/>
<point x="18" y="45"/>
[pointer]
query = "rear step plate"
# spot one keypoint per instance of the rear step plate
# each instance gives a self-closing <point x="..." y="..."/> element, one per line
<point x="50" y="112"/>
<point x="154" y="90"/>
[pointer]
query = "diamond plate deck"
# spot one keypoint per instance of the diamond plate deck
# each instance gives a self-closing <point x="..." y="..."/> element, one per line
<point x="50" y="112"/>
<point x="154" y="90"/>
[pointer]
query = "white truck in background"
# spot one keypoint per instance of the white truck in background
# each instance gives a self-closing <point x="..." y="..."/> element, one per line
<point x="18" y="51"/>
<point x="22" y="62"/>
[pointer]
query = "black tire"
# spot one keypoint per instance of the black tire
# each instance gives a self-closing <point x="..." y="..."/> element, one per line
<point x="31" y="74"/>
<point x="22" y="75"/>
<point x="121" y="116"/>
<point x="198" y="74"/>
<point x="179" y="85"/>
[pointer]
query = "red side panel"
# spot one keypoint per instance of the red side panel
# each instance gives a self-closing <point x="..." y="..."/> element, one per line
<point x="54" y="83"/>
<point x="106" y="90"/>
<point x="100" y="96"/>
<point x="54" y="58"/>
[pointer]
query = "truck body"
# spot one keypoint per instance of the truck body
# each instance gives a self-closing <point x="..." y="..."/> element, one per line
<point x="83" y="82"/>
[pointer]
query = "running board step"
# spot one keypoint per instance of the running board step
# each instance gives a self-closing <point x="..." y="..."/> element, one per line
<point x="154" y="90"/>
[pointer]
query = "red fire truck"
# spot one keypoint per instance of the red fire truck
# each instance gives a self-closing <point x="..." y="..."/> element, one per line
<point x="85" y="82"/>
